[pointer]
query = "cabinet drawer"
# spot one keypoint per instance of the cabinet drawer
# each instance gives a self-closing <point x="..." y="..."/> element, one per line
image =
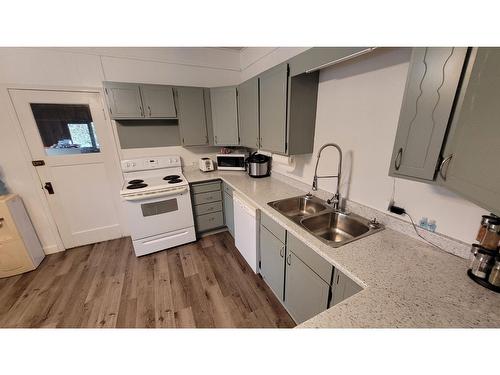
<point x="8" y="230"/>
<point x="211" y="196"/>
<point x="312" y="259"/>
<point x="228" y="189"/>
<point x="203" y="188"/>
<point x="207" y="208"/>
<point x="209" y="221"/>
<point x="273" y="227"/>
<point x="14" y="259"/>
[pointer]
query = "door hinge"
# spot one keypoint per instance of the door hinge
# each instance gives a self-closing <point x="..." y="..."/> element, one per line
<point x="38" y="163"/>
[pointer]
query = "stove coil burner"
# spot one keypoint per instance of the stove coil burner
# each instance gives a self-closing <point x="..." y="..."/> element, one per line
<point x="172" y="177"/>
<point x="137" y="186"/>
<point x="133" y="182"/>
<point x="174" y="181"/>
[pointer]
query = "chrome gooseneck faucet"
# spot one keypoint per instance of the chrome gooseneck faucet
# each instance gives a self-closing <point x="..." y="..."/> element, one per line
<point x="335" y="200"/>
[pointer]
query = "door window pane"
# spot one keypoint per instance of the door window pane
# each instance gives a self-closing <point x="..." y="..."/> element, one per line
<point x="65" y="128"/>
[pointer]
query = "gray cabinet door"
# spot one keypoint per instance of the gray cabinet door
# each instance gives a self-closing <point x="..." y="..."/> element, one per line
<point x="272" y="261"/>
<point x="224" y="116"/>
<point x="124" y="100"/>
<point x="306" y="294"/>
<point x="433" y="78"/>
<point x="342" y="287"/>
<point x="248" y="113"/>
<point x="158" y="101"/>
<point x="475" y="147"/>
<point x="229" y="212"/>
<point x="273" y="109"/>
<point x="192" y="120"/>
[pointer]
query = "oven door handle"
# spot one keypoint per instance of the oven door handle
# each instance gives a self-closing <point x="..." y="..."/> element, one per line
<point x="145" y="196"/>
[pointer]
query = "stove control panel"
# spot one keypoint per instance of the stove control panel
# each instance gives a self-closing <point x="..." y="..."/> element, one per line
<point x="144" y="164"/>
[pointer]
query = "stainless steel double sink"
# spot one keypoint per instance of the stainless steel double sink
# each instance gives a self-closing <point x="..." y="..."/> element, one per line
<point x="330" y="226"/>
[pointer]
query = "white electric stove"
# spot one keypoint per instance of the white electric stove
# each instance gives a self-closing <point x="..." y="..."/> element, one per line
<point x="158" y="203"/>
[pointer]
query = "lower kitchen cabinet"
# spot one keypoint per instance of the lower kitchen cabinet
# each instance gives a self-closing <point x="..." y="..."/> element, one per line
<point x="206" y="198"/>
<point x="342" y="287"/>
<point x="306" y="294"/>
<point x="272" y="261"/>
<point x="303" y="280"/>
<point x="228" y="208"/>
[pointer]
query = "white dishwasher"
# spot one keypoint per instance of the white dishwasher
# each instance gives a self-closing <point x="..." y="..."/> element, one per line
<point x="246" y="230"/>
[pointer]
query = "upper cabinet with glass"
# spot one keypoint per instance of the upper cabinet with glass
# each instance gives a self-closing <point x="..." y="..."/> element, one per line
<point x="135" y="101"/>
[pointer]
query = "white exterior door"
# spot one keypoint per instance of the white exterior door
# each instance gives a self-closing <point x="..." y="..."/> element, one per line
<point x="66" y="132"/>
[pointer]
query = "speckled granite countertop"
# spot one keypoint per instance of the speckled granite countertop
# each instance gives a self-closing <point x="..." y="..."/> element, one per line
<point x="406" y="282"/>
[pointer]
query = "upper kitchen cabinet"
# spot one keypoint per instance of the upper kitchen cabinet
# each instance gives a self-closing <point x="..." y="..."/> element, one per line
<point x="323" y="57"/>
<point x="433" y="78"/>
<point x="471" y="158"/>
<point x="225" y="116"/>
<point x="273" y="107"/>
<point x="133" y="101"/>
<point x="287" y="111"/>
<point x="248" y="113"/>
<point x="192" y="116"/>
<point x="124" y="100"/>
<point x="158" y="101"/>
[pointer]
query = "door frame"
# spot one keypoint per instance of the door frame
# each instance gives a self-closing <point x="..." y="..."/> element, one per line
<point x="35" y="180"/>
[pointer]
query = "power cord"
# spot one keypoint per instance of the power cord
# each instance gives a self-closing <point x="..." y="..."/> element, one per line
<point x="418" y="234"/>
<point x="401" y="211"/>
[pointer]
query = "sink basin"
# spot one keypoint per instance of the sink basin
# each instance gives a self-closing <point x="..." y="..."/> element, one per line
<point x="328" y="225"/>
<point x="297" y="208"/>
<point x="336" y="228"/>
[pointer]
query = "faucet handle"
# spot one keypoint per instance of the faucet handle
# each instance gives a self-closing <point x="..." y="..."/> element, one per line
<point x="373" y="223"/>
<point x="308" y="195"/>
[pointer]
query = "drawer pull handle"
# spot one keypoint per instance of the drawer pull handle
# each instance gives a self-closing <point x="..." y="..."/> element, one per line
<point x="1" y="221"/>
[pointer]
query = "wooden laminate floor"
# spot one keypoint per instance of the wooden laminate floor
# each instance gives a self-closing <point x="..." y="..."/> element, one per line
<point x="203" y="284"/>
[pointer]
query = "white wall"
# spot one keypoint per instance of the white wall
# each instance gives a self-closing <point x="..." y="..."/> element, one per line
<point x="78" y="68"/>
<point x="358" y="108"/>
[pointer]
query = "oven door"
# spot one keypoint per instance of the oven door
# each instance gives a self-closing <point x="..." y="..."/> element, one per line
<point x="159" y="213"/>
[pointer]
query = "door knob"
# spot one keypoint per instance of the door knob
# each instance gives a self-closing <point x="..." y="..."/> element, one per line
<point x="48" y="187"/>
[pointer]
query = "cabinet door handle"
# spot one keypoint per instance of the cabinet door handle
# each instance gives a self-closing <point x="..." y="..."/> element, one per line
<point x="1" y="221"/>
<point x="142" y="111"/>
<point x="289" y="259"/>
<point x="149" y="109"/>
<point x="215" y="139"/>
<point x="399" y="157"/>
<point x="446" y="161"/>
<point x="282" y="251"/>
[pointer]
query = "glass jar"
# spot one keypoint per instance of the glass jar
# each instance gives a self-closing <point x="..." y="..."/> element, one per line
<point x="485" y="221"/>
<point x="483" y="262"/>
<point x="473" y="252"/>
<point x="491" y="238"/>
<point x="494" y="278"/>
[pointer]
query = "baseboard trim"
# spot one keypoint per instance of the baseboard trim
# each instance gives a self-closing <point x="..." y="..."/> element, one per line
<point x="52" y="249"/>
